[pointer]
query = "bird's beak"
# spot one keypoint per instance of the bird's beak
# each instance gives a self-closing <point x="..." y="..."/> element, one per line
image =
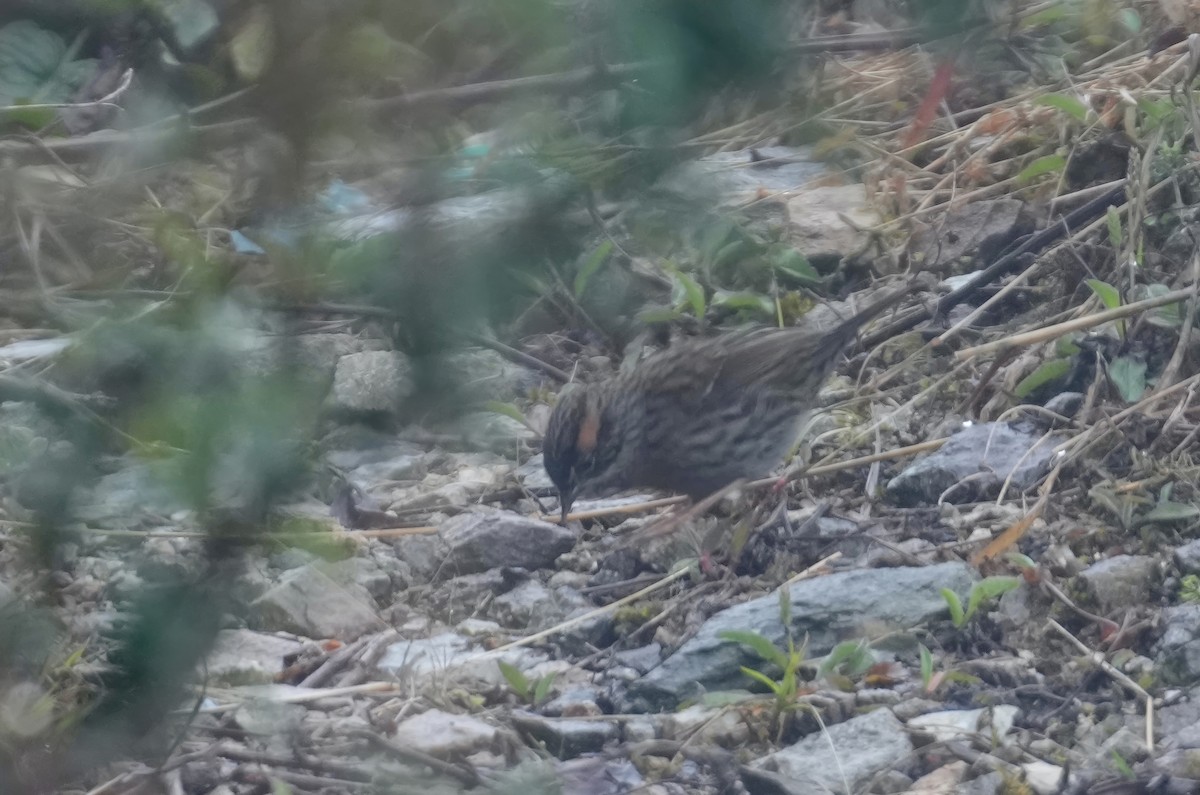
<point x="565" y="500"/>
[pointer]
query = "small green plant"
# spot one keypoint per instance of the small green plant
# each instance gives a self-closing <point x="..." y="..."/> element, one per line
<point x="932" y="679"/>
<point x="786" y="657"/>
<point x="1189" y="588"/>
<point x="532" y="692"/>
<point x="987" y="588"/>
<point x="850" y="659"/>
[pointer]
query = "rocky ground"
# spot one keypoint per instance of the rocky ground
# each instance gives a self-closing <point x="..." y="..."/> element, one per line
<point x="981" y="576"/>
<point x="837" y="636"/>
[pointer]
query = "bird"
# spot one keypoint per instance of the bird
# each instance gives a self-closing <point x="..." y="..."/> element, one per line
<point x="697" y="415"/>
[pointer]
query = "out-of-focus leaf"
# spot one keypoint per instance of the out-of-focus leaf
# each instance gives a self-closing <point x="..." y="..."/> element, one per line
<point x="590" y="265"/>
<point x="1115" y="233"/>
<point x="725" y="698"/>
<point x="760" y="644"/>
<point x="1068" y="105"/>
<point x="506" y="409"/>
<point x="252" y="46"/>
<point x="1169" y="511"/>
<point x="687" y="290"/>
<point x="36" y="66"/>
<point x="954" y="603"/>
<point x="1130" y="20"/>
<point x="542" y="688"/>
<point x="515" y="678"/>
<point x="790" y="262"/>
<point x="1129" y="377"/>
<point x="1048" y="372"/>
<point x="1050" y="164"/>
<point x="661" y="315"/>
<point x="1169" y="316"/>
<point x="751" y="303"/>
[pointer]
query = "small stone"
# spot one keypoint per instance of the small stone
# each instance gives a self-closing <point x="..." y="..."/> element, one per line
<point x="863" y="746"/>
<point x="1187" y="557"/>
<point x="371" y="382"/>
<point x="443" y="734"/>
<point x="484" y="540"/>
<point x="567" y="738"/>
<point x="1121" y="580"/>
<point x="308" y="602"/>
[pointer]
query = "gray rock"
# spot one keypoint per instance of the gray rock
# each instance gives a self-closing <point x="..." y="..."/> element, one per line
<point x="573" y="703"/>
<point x="1187" y="557"/>
<point x="974" y="464"/>
<point x="1178" y="650"/>
<point x="487" y="430"/>
<point x="1179" y="723"/>
<point x="967" y="229"/>
<point x="443" y="734"/>
<point x="641" y="659"/>
<point x="320" y="353"/>
<point x="988" y="784"/>
<point x="309" y="602"/>
<point x="593" y="775"/>
<point x="246" y="657"/>
<point x="850" y="753"/>
<point x="482" y="374"/>
<point x="733" y="178"/>
<point x="1120" y="581"/>
<point x="380" y="460"/>
<point x="371" y="382"/>
<point x="957" y="724"/>
<point x="567" y="738"/>
<point x="824" y="610"/>
<point x="817" y="224"/>
<point x="534" y="477"/>
<point x="450" y="658"/>
<point x="484" y="540"/>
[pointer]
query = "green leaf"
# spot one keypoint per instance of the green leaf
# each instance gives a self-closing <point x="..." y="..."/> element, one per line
<point x="591" y="265"/>
<point x="1048" y="372"/>
<point x="725" y="698"/>
<point x="542" y="688"/>
<point x="1129" y="377"/>
<point x="35" y="66"/>
<point x="505" y="409"/>
<point x="687" y="290"/>
<point x="790" y="262"/>
<point x="734" y="251"/>
<point x="714" y="237"/>
<point x="988" y="588"/>
<point x="760" y="644"/>
<point x="1069" y="105"/>
<point x="854" y="654"/>
<point x="1109" y="295"/>
<point x="1021" y="561"/>
<point x="762" y="679"/>
<point x="1169" y="316"/>
<point x="516" y="680"/>
<point x="926" y="664"/>
<point x="785" y="606"/>
<point x="1048" y="16"/>
<point x="1168" y="511"/>
<point x="955" y="605"/>
<point x="1050" y="164"/>
<point x="1115" y="233"/>
<point x="1130" y="20"/>
<point x="750" y="303"/>
<point x="660" y="315"/>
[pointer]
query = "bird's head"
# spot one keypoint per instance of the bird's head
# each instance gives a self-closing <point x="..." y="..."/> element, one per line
<point x="580" y="448"/>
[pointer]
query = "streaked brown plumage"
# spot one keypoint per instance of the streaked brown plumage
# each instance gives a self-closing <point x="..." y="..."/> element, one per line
<point x="696" y="416"/>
